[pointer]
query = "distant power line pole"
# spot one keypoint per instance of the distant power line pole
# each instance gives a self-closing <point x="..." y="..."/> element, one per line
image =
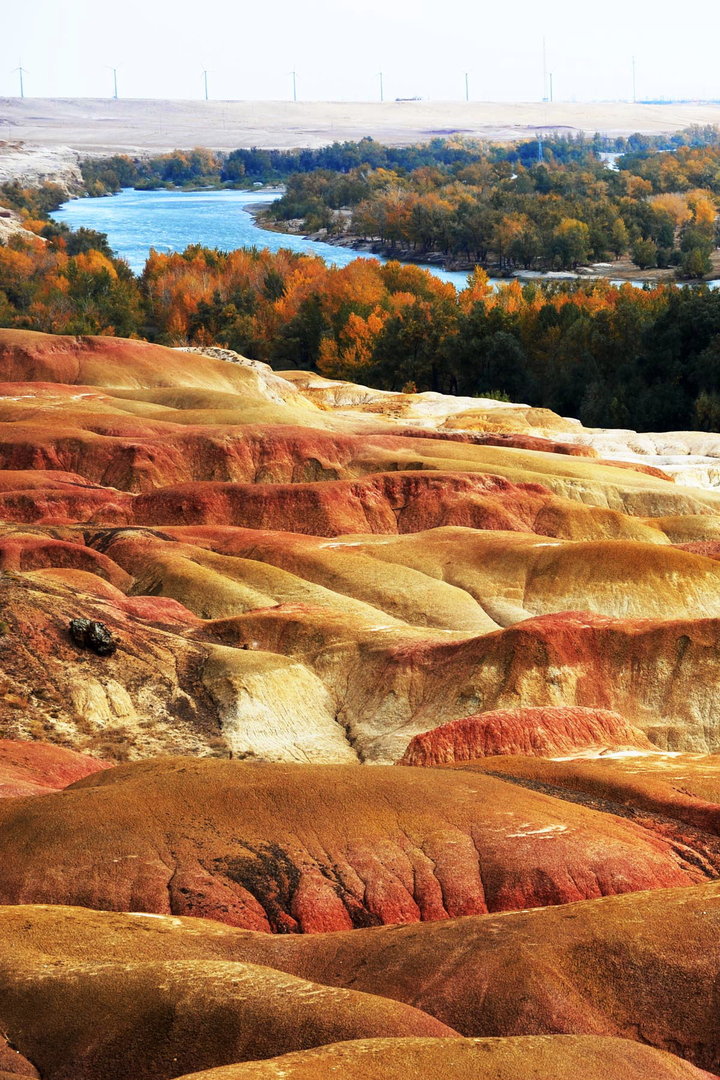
<point x="382" y="92"/>
<point x="21" y="72"/>
<point x="634" y="81"/>
<point x="467" y="87"/>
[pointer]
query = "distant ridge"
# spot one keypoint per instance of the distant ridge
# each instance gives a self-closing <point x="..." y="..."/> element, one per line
<point x="133" y="124"/>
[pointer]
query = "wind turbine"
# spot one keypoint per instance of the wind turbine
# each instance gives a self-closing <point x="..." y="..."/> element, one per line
<point x="205" y="82"/>
<point x="22" y="71"/>
<point x="382" y="94"/>
<point x="115" y="82"/>
<point x="294" y="80"/>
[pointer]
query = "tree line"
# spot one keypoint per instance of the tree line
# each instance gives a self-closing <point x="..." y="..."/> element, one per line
<point x="659" y="210"/>
<point x="539" y="204"/>
<point x="612" y="356"/>
<point x="243" y="167"/>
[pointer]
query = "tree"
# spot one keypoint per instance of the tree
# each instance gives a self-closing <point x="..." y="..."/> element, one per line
<point x="411" y="346"/>
<point x="619" y="238"/>
<point x="707" y="412"/>
<point x="571" y="243"/>
<point x="644" y="254"/>
<point x="695" y="263"/>
<point x="298" y="344"/>
<point x="503" y="368"/>
<point x="78" y="241"/>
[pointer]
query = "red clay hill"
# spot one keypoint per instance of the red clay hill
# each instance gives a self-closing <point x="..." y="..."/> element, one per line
<point x="543" y="732"/>
<point x="306" y="849"/>
<point x="258" y="592"/>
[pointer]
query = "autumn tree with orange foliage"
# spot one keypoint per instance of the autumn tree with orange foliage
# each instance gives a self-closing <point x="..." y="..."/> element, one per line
<point x="613" y="356"/>
<point x="43" y="288"/>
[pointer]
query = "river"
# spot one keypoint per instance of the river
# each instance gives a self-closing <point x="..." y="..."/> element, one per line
<point x="136" y="221"/>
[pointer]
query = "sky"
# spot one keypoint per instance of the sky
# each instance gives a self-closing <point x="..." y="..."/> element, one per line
<point x="339" y="47"/>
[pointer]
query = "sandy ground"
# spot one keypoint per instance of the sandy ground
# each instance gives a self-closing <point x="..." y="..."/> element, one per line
<point x="103" y="125"/>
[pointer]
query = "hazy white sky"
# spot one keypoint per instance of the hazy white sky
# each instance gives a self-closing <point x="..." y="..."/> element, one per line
<point x="337" y="47"/>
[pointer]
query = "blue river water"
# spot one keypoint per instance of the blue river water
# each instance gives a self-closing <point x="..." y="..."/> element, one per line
<point x="136" y="221"/>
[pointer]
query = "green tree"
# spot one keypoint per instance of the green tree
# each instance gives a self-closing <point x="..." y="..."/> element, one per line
<point x="571" y="243"/>
<point x="619" y="238"/>
<point x="645" y="254"/>
<point x="707" y="412"/>
<point x="298" y="343"/>
<point x="695" y="263"/>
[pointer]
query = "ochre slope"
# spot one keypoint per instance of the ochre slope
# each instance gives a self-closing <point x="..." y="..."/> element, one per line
<point x="150" y="690"/>
<point x="454" y="580"/>
<point x="314" y="848"/>
<point x="140" y="416"/>
<point x="123" y="363"/>
<point x="503" y="577"/>
<point x="170" y="466"/>
<point x="387" y="503"/>
<point x="22" y="551"/>
<point x="252" y="571"/>
<point x="643" y="966"/>
<point x="288" y="664"/>
<point x="661" y="676"/>
<point x="161" y="691"/>
<point x="680" y="787"/>
<point x="13" y="1064"/>
<point x="559" y="1057"/>
<point x="154" y="1020"/>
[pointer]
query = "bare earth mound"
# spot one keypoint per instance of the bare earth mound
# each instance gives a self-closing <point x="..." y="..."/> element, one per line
<point x="38" y="768"/>
<point x="550" y="1057"/>
<point x="315" y="848"/>
<point x="88" y="1021"/>
<point x="677" y="787"/>
<point x="642" y="966"/>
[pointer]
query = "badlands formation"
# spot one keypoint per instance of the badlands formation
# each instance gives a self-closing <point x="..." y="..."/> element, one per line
<point x="396" y="752"/>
